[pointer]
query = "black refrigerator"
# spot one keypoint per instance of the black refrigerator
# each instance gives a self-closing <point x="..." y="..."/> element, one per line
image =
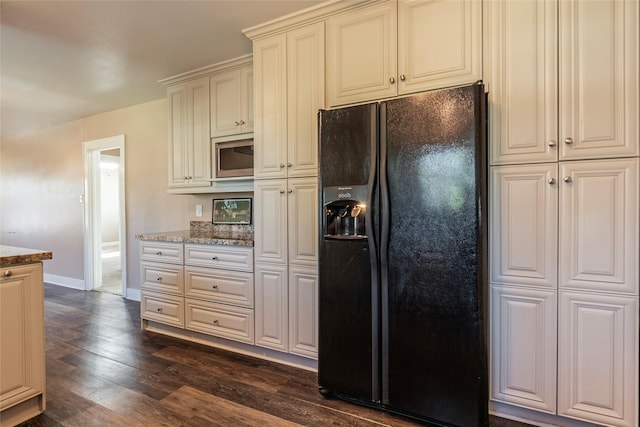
<point x="402" y="287"/>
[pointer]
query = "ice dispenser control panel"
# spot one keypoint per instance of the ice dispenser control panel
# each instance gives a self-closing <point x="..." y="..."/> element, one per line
<point x="344" y="212"/>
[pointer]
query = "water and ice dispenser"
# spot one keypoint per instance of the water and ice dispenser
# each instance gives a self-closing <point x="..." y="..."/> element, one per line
<point x="345" y="211"/>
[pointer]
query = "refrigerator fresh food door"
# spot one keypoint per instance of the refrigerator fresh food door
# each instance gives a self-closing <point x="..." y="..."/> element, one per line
<point x="434" y="363"/>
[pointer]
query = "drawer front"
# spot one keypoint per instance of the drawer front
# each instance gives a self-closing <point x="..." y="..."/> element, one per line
<point x="226" y="257"/>
<point x="222" y="286"/>
<point x="157" y="277"/>
<point x="161" y="252"/>
<point x="167" y="309"/>
<point x="234" y="323"/>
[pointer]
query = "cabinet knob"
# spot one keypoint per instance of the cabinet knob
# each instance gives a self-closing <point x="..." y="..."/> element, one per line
<point x="289" y="191"/>
<point x="237" y="123"/>
<point x="159" y="253"/>
<point x="159" y="309"/>
<point x="215" y="258"/>
<point x="159" y="279"/>
<point x="568" y="141"/>
<point x="215" y="321"/>
<point x="392" y="80"/>
<point x="551" y="143"/>
<point x="241" y="122"/>
<point x="8" y="273"/>
<point x="551" y="181"/>
<point x="567" y="179"/>
<point x="281" y="165"/>
<point x="289" y="164"/>
<point x="402" y="77"/>
<point x="281" y="190"/>
<point x="214" y="287"/>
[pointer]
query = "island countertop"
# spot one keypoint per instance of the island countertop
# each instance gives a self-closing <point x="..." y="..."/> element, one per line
<point x="14" y="255"/>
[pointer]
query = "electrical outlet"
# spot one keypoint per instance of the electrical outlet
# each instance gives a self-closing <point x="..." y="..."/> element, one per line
<point x="198" y="210"/>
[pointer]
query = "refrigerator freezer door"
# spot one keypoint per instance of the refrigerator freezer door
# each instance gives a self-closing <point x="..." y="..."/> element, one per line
<point x="433" y="341"/>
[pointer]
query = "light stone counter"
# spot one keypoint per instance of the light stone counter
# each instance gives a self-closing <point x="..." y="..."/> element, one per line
<point x="14" y="255"/>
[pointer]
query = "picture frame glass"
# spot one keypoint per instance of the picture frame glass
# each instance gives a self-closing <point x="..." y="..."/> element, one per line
<point x="232" y="211"/>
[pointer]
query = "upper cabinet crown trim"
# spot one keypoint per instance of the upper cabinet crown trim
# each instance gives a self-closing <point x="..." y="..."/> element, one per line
<point x="208" y="70"/>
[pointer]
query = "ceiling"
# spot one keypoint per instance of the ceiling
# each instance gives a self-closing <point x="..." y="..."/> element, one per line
<point x="63" y="60"/>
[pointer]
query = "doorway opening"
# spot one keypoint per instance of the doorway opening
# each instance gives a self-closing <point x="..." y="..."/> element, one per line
<point x="105" y="236"/>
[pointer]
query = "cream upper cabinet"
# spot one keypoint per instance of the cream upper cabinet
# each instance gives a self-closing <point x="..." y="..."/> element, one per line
<point x="189" y="141"/>
<point x="599" y="226"/>
<point x="397" y="47"/>
<point x="232" y="102"/>
<point x="524" y="225"/>
<point x="289" y="91"/>
<point x="598" y="79"/>
<point x="562" y="91"/>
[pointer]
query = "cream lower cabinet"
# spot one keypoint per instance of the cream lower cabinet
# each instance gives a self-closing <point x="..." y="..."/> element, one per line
<point x="589" y="210"/>
<point x="22" y="367"/>
<point x="391" y="48"/>
<point x="286" y="265"/>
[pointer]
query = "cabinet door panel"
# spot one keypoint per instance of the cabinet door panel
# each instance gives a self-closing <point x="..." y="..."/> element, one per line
<point x="599" y="225"/>
<point x="521" y="71"/>
<point x="524" y="225"/>
<point x="225" y="104"/>
<point x="305" y="93"/>
<point x="198" y="133"/>
<point x="270" y="204"/>
<point x="177" y="112"/>
<point x="424" y="60"/>
<point x="246" y="96"/>
<point x="271" y="306"/>
<point x="270" y="102"/>
<point x="303" y="221"/>
<point x="523" y="347"/>
<point x="303" y="311"/>
<point x="361" y="54"/>
<point x="598" y="358"/>
<point x="599" y="78"/>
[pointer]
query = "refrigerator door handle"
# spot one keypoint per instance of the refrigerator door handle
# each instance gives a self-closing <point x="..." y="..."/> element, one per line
<point x="384" y="244"/>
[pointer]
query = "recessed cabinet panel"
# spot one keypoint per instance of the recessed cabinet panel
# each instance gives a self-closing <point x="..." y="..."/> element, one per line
<point x="303" y="311"/>
<point x="232" y="102"/>
<point x="523" y="347"/>
<point x="598" y="223"/>
<point x="424" y="61"/>
<point x="177" y="112"/>
<point x="303" y="224"/>
<point x="198" y="134"/>
<point x="524" y="225"/>
<point x="224" y="286"/>
<point x="522" y="76"/>
<point x="599" y="78"/>
<point x="158" y="277"/>
<point x="305" y="95"/>
<point x="234" y="323"/>
<point x="270" y="101"/>
<point x="598" y="358"/>
<point x="270" y="199"/>
<point x="227" y="257"/>
<point x="271" y="306"/>
<point x="361" y="54"/>
<point x="161" y="252"/>
<point x="163" y="308"/>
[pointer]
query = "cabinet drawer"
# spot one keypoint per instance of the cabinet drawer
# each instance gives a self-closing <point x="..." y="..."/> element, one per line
<point x="234" y="323"/>
<point x="167" y="309"/>
<point x="226" y="257"/>
<point x="161" y="252"/>
<point x="224" y="286"/>
<point x="157" y="277"/>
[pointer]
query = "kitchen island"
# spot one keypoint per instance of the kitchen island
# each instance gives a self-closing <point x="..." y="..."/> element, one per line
<point x="22" y="369"/>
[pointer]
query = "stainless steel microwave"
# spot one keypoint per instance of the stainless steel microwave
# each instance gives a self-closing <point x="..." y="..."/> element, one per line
<point x="234" y="158"/>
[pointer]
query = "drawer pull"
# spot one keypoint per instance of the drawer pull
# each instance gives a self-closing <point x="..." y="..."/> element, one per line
<point x="159" y="309"/>
<point x="159" y="279"/>
<point x="159" y="253"/>
<point x="8" y="273"/>
<point x="215" y="258"/>
<point x="216" y="322"/>
<point x="214" y="287"/>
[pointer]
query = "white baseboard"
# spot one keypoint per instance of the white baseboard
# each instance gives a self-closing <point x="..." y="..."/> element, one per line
<point x="67" y="282"/>
<point x="133" y="294"/>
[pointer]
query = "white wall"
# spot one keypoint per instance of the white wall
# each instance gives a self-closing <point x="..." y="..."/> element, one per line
<point x="41" y="182"/>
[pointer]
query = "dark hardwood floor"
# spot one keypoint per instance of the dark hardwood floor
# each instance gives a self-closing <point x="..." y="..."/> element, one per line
<point x="103" y="370"/>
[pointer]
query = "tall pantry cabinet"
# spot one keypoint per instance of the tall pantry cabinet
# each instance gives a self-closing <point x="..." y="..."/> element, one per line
<point x="564" y="182"/>
<point x="289" y="90"/>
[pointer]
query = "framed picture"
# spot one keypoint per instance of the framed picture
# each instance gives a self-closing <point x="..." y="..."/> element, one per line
<point x="232" y="211"/>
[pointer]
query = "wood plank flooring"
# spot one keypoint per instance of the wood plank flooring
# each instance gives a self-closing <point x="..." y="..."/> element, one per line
<point x="103" y="370"/>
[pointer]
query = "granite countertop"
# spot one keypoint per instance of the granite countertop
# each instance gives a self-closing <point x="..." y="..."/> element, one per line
<point x="206" y="233"/>
<point x="14" y="255"/>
